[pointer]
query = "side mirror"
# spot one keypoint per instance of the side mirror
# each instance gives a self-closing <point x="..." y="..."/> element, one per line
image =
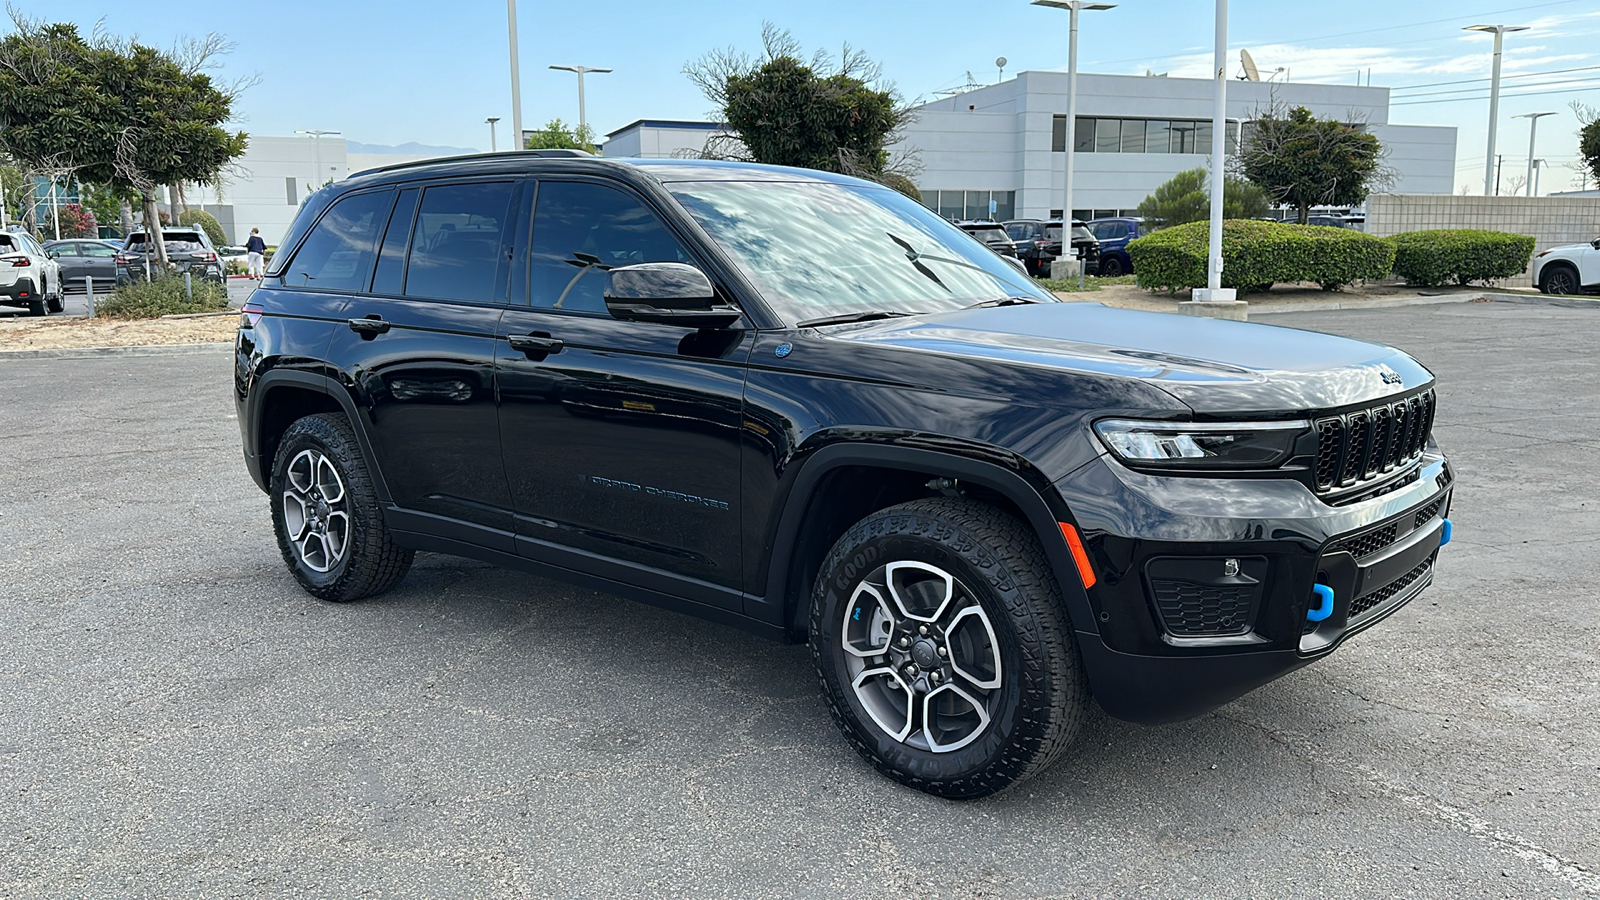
<point x="1596" y="244"/>
<point x="666" y="293"/>
<point x="1016" y="264"/>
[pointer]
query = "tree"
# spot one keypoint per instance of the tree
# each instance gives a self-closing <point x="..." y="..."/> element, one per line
<point x="104" y="203"/>
<point x="1588" y="140"/>
<point x="1186" y="197"/>
<point x="1302" y="161"/>
<point x="205" y="222"/>
<point x="77" y="222"/>
<point x="785" y="111"/>
<point x="556" y="135"/>
<point x="116" y="112"/>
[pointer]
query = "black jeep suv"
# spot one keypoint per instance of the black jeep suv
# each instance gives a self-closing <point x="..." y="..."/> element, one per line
<point x="805" y="405"/>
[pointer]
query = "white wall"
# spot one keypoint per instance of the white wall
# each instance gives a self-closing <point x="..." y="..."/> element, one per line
<point x="659" y="140"/>
<point x="998" y="137"/>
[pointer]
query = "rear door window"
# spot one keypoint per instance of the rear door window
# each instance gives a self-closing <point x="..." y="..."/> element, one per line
<point x="460" y="246"/>
<point x="337" y="254"/>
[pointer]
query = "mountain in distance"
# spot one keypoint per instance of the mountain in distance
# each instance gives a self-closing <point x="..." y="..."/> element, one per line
<point x="411" y="148"/>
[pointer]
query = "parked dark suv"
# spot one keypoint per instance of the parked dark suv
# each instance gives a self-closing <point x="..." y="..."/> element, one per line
<point x="1039" y="244"/>
<point x="991" y="235"/>
<point x="1113" y="236"/>
<point x="188" y="250"/>
<point x="805" y="405"/>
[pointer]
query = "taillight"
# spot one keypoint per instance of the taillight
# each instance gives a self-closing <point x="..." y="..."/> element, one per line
<point x="127" y="258"/>
<point x="21" y="262"/>
<point x="208" y="257"/>
<point x="249" y="315"/>
<point x="1041" y="244"/>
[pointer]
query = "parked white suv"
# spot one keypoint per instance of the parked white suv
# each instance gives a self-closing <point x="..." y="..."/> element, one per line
<point x="1572" y="269"/>
<point x="28" y="276"/>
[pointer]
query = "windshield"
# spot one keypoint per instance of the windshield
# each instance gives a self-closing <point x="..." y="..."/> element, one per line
<point x="822" y="250"/>
<point x="991" y="235"/>
<point x="176" y="241"/>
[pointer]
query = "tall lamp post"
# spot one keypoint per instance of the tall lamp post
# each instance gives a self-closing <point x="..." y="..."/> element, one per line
<point x="583" y="120"/>
<point x="1538" y="165"/>
<point x="316" y="143"/>
<point x="516" y="77"/>
<point x="1533" y="131"/>
<point x="1219" y="158"/>
<point x="1072" y="6"/>
<point x="1499" y="32"/>
<point x="491" y="120"/>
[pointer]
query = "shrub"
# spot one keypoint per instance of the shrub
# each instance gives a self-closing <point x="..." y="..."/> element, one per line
<point x="1256" y="254"/>
<point x="207" y="222"/>
<point x="1431" y="258"/>
<point x="162" y="297"/>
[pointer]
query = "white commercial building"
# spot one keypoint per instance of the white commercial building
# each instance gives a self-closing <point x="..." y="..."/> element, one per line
<point x="998" y="151"/>
<point x="274" y="176"/>
<point x="661" y="138"/>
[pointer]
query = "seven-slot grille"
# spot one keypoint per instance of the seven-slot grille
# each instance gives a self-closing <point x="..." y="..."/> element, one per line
<point x="1362" y="446"/>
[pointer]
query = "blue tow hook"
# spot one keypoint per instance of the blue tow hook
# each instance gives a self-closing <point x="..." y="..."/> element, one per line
<point x="1446" y="539"/>
<point x="1324" y="609"/>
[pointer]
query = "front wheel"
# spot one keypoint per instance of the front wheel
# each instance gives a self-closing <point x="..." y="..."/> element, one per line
<point x="1559" y="280"/>
<point x="326" y="515"/>
<point x="943" y="648"/>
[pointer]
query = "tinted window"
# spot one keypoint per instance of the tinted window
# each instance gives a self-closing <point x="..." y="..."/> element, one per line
<point x="98" y="251"/>
<point x="1020" y="231"/>
<point x="390" y="276"/>
<point x="582" y="230"/>
<point x="337" y="254"/>
<point x="456" y="245"/>
<point x="991" y="235"/>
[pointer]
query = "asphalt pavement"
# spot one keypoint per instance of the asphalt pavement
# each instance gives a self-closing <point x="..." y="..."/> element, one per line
<point x="178" y="719"/>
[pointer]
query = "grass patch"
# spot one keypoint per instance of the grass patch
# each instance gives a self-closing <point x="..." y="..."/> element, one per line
<point x="162" y="297"/>
<point x="1090" y="283"/>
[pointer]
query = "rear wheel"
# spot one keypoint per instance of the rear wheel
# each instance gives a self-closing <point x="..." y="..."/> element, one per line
<point x="1111" y="267"/>
<point x="940" y="639"/>
<point x="39" y="303"/>
<point x="54" y="302"/>
<point x="326" y="515"/>
<point x="1559" y="279"/>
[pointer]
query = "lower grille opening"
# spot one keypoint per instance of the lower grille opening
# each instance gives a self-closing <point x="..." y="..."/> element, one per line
<point x="1382" y="595"/>
<point x="1202" y="610"/>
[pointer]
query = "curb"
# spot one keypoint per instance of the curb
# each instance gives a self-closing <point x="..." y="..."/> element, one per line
<point x="1566" y="300"/>
<point x="103" y="352"/>
<point x="1370" y="303"/>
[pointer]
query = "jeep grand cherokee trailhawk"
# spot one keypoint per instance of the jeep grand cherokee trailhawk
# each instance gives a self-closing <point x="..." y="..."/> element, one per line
<point x="805" y="405"/>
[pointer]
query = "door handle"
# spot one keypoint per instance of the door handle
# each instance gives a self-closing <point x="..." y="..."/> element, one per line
<point x="369" y="327"/>
<point x="535" y="345"/>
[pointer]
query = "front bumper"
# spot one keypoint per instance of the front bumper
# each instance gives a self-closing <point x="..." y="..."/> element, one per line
<point x="1204" y="585"/>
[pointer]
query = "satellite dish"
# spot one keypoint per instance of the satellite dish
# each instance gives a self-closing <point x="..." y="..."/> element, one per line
<point x="1251" y="73"/>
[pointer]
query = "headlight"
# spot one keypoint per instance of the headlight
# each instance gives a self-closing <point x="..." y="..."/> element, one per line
<point x="1201" y="445"/>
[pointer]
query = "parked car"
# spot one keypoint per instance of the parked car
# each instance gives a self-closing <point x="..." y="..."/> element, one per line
<point x="1113" y="236"/>
<point x="28" y="276"/>
<point x="188" y="250"/>
<point x="1331" y="221"/>
<point x="992" y="235"/>
<point x="1039" y="243"/>
<point x="1572" y="269"/>
<point x="230" y="254"/>
<point x="82" y="258"/>
<point x="803" y="404"/>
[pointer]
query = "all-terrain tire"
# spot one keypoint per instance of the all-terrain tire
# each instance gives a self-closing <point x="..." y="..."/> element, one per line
<point x="1042" y="697"/>
<point x="361" y="559"/>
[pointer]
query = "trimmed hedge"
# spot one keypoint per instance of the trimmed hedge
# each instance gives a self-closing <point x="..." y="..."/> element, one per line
<point x="1432" y="258"/>
<point x="206" y="222"/>
<point x="1256" y="254"/>
<point x="162" y="297"/>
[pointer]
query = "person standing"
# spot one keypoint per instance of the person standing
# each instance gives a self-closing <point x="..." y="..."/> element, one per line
<point x="255" y="250"/>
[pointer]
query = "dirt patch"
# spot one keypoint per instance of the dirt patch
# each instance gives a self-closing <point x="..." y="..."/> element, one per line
<point x="59" y="333"/>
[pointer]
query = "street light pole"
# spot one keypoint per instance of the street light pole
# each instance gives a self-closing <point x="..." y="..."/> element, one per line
<point x="1072" y="6"/>
<point x="491" y="120"/>
<point x="516" y="77"/>
<point x="316" y="144"/>
<point x="583" y="120"/>
<point x="1219" y="150"/>
<point x="1499" y="32"/>
<point x="1533" y="130"/>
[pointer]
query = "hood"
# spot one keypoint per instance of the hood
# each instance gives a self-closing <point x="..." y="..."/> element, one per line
<point x="1216" y="367"/>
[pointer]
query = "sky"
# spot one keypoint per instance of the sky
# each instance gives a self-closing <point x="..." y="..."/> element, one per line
<point x="396" y="72"/>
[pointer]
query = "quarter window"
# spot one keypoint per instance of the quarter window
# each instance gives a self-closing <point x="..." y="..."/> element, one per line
<point x="580" y="231"/>
<point x="337" y="254"/>
<point x="458" y="244"/>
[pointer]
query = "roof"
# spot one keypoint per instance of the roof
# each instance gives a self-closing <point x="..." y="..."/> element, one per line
<point x="516" y="162"/>
<point x="668" y="123"/>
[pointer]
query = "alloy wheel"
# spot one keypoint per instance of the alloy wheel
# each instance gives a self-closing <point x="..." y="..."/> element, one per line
<point x="921" y="656"/>
<point x="315" y="511"/>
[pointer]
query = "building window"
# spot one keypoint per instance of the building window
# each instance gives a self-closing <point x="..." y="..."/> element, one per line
<point x="1058" y="134"/>
<point x="959" y="205"/>
<point x="293" y="195"/>
<point x="1107" y="135"/>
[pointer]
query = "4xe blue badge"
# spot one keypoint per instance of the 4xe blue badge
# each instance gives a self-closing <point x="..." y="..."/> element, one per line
<point x="783" y="349"/>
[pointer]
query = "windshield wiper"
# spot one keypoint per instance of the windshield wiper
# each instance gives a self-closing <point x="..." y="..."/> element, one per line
<point x="1003" y="301"/>
<point x="868" y="316"/>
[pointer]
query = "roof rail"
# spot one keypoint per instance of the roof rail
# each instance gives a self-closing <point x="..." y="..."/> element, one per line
<point x="553" y="153"/>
